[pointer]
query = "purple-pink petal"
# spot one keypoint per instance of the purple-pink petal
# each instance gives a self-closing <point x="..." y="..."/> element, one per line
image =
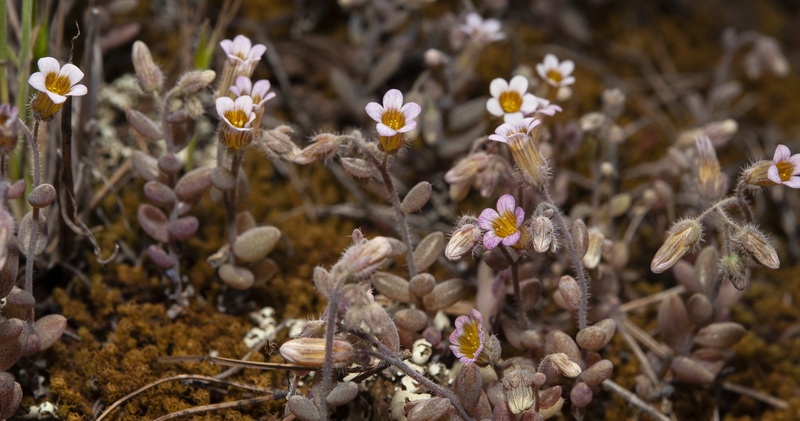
<point x="486" y="218"/>
<point x="410" y="125"/>
<point x="511" y="239"/>
<point x="519" y="213"/>
<point x="506" y="203"/>
<point x="498" y="138"/>
<point x="795" y="161"/>
<point x="781" y="154"/>
<point x="491" y="240"/>
<point x="794" y="182"/>
<point x="772" y="174"/>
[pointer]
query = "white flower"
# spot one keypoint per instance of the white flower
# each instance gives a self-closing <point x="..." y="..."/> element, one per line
<point x="242" y="50"/>
<point x="237" y="117"/>
<point x="480" y="30"/>
<point x="393" y="118"/>
<point x="545" y="107"/>
<point x="511" y="100"/>
<point x="258" y="91"/>
<point x="54" y="83"/>
<point x="506" y="131"/>
<point x="556" y="73"/>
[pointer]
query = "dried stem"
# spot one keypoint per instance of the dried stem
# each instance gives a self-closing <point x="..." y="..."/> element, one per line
<point x="634" y="400"/>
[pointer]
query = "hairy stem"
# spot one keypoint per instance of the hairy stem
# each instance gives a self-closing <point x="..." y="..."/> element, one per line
<point x="521" y="316"/>
<point x="573" y="254"/>
<point x="230" y="201"/>
<point x="31" y="255"/>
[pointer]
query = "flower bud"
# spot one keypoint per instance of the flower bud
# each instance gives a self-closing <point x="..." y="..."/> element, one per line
<point x="310" y="352"/>
<point x="147" y="72"/>
<point x="463" y="240"/>
<point x="564" y="365"/>
<point x="682" y="237"/>
<point x="594" y="251"/>
<point x="732" y="269"/>
<point x="542" y="233"/>
<point x="195" y="81"/>
<point x="757" y="244"/>
<point x="756" y="174"/>
<point x="518" y="384"/>
<point x="364" y="258"/>
<point x="9" y="131"/>
<point x="323" y="147"/>
<point x="711" y="183"/>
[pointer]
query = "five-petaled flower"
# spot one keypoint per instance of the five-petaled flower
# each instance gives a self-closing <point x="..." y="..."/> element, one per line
<point x="785" y="168"/>
<point x="9" y="131"/>
<point x="511" y="100"/>
<point x="469" y="339"/>
<point x="54" y="83"/>
<point x="393" y="118"/>
<point x="259" y="91"/>
<point x="482" y="31"/>
<point x="237" y="121"/>
<point x="242" y="56"/>
<point x="531" y="164"/>
<point x="502" y="225"/>
<point x="556" y="73"/>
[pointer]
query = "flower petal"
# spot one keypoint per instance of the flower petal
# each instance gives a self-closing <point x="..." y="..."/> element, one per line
<point x="566" y="67"/>
<point x="491" y="240"/>
<point x="72" y="72"/>
<point x="793" y="182"/>
<point x="56" y="98"/>
<point x="411" y="110"/>
<point x="36" y="80"/>
<point x="519" y="83"/>
<point x="224" y="104"/>
<point x="529" y="104"/>
<point x="519" y="213"/>
<point x="256" y="52"/>
<point x="568" y="81"/>
<point x="506" y="204"/>
<point x="227" y="46"/>
<point x="772" y="174"/>
<point x="493" y="106"/>
<point x="393" y="99"/>
<point x="497" y="87"/>
<point x="374" y="111"/>
<point x="48" y="65"/>
<point x="410" y="125"/>
<point x="795" y="161"/>
<point x="513" y="118"/>
<point x="781" y="154"/>
<point x="486" y="218"/>
<point x="550" y="61"/>
<point x="498" y="138"/>
<point x="542" y="71"/>
<point x="385" y="130"/>
<point x="512" y="239"/>
<point x="78" y="90"/>
<point x="244" y="103"/>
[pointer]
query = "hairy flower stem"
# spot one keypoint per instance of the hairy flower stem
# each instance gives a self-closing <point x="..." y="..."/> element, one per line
<point x="746" y="211"/>
<point x="385" y="354"/>
<point x="521" y="316"/>
<point x="34" y="144"/>
<point x="230" y="201"/>
<point x="330" y="331"/>
<point x="577" y="265"/>
<point x="402" y="223"/>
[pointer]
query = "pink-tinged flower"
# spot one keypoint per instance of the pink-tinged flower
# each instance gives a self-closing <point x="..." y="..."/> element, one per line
<point x="556" y="73"/>
<point x="237" y="121"/>
<point x="394" y="118"/>
<point x="545" y="107"/>
<point x="502" y="225"/>
<point x="507" y="132"/>
<point x="532" y="166"/>
<point x="785" y="169"/>
<point x="242" y="50"/>
<point x="511" y="100"/>
<point x="9" y="131"/>
<point x="469" y="339"/>
<point x="482" y="31"/>
<point x="54" y="83"/>
<point x="258" y="91"/>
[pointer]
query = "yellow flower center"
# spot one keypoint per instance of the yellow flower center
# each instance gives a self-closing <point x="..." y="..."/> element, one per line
<point x="505" y="225"/>
<point x="469" y="341"/>
<point x="555" y="75"/>
<point x="237" y="118"/>
<point x="57" y="84"/>
<point x="785" y="170"/>
<point x="394" y="119"/>
<point x="510" y="101"/>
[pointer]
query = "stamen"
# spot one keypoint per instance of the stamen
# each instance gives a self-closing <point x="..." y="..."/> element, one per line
<point x="555" y="76"/>
<point x="237" y="118"/>
<point x="505" y="225"/>
<point x="510" y="101"/>
<point x="785" y="170"/>
<point x="57" y="84"/>
<point x="394" y="119"/>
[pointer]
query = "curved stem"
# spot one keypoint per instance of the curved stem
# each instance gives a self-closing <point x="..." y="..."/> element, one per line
<point x="573" y="254"/>
<point x="402" y="223"/>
